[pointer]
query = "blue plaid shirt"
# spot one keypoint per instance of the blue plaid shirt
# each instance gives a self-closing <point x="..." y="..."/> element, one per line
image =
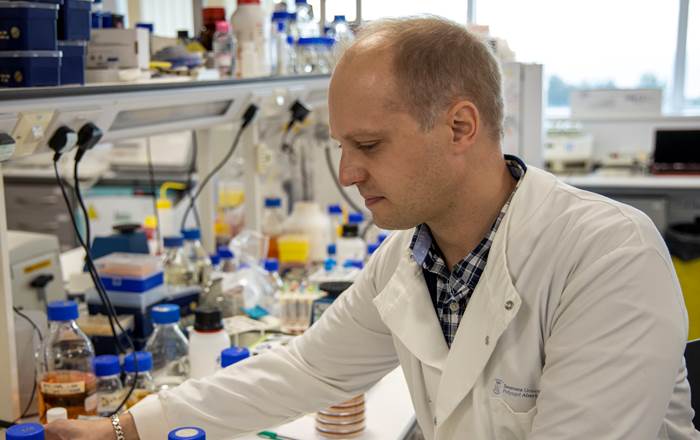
<point x="454" y="288"/>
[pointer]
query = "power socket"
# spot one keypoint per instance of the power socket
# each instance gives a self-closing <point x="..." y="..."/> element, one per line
<point x="31" y="130"/>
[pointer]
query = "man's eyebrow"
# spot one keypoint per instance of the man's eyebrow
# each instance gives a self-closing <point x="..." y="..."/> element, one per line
<point x="362" y="133"/>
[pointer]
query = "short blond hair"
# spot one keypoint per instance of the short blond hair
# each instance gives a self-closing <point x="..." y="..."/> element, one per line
<point x="437" y="62"/>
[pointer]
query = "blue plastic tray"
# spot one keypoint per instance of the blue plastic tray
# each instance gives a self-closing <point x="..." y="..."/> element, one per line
<point x="30" y="68"/>
<point x="27" y="26"/>
<point x="135" y="285"/>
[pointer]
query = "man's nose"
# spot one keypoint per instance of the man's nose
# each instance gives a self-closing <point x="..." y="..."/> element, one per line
<point x="350" y="173"/>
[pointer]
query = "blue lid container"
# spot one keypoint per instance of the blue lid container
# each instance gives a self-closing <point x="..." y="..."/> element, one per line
<point x="356" y="218"/>
<point x="331" y="249"/>
<point x="232" y="355"/>
<point x="148" y="26"/>
<point x="74" y="20"/>
<point x="27" y="26"/>
<point x="144" y="362"/>
<point x="172" y="242"/>
<point x="335" y="210"/>
<point x="280" y="15"/>
<point x="215" y="259"/>
<point x="272" y="265"/>
<point x="106" y="365"/>
<point x="25" y="431"/>
<point x="165" y="314"/>
<point x="73" y="62"/>
<point x="339" y="18"/>
<point x="30" y="68"/>
<point x="62" y="310"/>
<point x="358" y="264"/>
<point x="273" y="202"/>
<point x="187" y="433"/>
<point x="191" y="234"/>
<point x="225" y="253"/>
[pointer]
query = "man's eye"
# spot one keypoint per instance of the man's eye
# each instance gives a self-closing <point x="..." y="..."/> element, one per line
<point x="367" y="147"/>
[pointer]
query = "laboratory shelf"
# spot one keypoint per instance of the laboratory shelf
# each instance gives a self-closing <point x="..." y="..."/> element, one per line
<point x="665" y="182"/>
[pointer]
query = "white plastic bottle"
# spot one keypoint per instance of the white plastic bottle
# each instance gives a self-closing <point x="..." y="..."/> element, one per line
<point x="207" y="340"/>
<point x="224" y="47"/>
<point x="309" y="219"/>
<point x="350" y="246"/>
<point x="251" y="28"/>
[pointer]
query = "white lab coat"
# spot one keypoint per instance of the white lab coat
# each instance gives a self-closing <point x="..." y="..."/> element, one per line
<point x="576" y="330"/>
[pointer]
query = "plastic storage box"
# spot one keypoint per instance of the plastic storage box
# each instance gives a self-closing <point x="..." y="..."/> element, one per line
<point x="27" y="26"/>
<point x="73" y="62"/>
<point x="30" y="68"/>
<point x="74" y="20"/>
<point x="132" y="284"/>
<point x="131" y="265"/>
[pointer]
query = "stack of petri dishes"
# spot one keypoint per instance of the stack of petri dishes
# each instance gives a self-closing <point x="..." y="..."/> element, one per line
<point x="345" y="420"/>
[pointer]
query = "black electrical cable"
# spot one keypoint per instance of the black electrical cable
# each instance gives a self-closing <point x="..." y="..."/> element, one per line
<point x="247" y="118"/>
<point x="111" y="313"/>
<point x="25" y="413"/>
<point x="154" y="192"/>
<point x="78" y="195"/>
<point x="193" y="167"/>
<point x="342" y="191"/>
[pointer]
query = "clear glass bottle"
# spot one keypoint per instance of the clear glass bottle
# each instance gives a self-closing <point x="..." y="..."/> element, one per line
<point x="169" y="347"/>
<point x="324" y="54"/>
<point x="305" y="19"/>
<point x="176" y="266"/>
<point x="198" y="256"/>
<point x="272" y="224"/>
<point x="215" y="262"/>
<point x="340" y="30"/>
<point x="228" y="264"/>
<point x="224" y="48"/>
<point x="307" y="58"/>
<point x="335" y="213"/>
<point x="110" y="390"/>
<point x="66" y="378"/>
<point x="138" y="368"/>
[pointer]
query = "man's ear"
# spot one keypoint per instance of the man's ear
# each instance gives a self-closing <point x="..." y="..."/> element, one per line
<point x="464" y="121"/>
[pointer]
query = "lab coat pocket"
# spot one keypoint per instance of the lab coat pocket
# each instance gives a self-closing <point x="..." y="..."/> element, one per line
<point x="509" y="424"/>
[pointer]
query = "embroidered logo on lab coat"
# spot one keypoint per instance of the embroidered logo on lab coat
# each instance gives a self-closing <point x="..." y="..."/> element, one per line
<point x="503" y="389"/>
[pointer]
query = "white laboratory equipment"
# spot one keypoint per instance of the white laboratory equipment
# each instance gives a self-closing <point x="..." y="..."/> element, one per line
<point x="207" y="340"/>
<point x="251" y="27"/>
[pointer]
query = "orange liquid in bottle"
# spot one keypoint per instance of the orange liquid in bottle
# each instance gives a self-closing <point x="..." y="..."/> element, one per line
<point x="273" y="250"/>
<point x="72" y="390"/>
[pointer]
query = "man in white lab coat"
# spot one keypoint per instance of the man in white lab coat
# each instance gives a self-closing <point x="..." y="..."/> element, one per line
<point x="518" y="307"/>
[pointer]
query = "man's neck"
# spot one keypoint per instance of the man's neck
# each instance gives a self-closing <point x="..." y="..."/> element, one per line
<point x="467" y="222"/>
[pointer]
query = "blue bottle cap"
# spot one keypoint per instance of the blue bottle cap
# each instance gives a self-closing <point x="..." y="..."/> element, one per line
<point x="355" y="218"/>
<point x="272" y="265"/>
<point x="290" y="40"/>
<point x="331" y="249"/>
<point x="273" y="202"/>
<point x="381" y="237"/>
<point x="232" y="355"/>
<point x="62" y="310"/>
<point x="215" y="259"/>
<point x="191" y="234"/>
<point x="305" y="41"/>
<point x="187" y="433"/>
<point x="172" y="242"/>
<point x="338" y="18"/>
<point x="300" y="2"/>
<point x="165" y="314"/>
<point x="329" y="264"/>
<point x="144" y="359"/>
<point x="280" y="15"/>
<point x="106" y="365"/>
<point x="224" y="253"/>
<point x="335" y="209"/>
<point x="293" y="16"/>
<point x="371" y="248"/>
<point x="25" y="431"/>
<point x="353" y="263"/>
<point x="148" y="26"/>
<point x="280" y="26"/>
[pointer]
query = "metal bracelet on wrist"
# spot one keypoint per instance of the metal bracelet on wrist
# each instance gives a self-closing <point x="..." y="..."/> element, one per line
<point x="117" y="427"/>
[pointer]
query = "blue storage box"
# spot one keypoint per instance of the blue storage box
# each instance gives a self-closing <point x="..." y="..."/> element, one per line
<point x="30" y="68"/>
<point x="74" y="20"/>
<point x="136" y="285"/>
<point x="73" y="61"/>
<point x="27" y="26"/>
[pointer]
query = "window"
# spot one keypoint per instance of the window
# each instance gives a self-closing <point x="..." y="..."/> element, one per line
<point x="692" y="75"/>
<point x="168" y="20"/>
<point x="589" y="44"/>
<point x="455" y="10"/>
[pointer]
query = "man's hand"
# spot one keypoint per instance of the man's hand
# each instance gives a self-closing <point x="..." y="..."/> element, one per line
<point x="90" y="429"/>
